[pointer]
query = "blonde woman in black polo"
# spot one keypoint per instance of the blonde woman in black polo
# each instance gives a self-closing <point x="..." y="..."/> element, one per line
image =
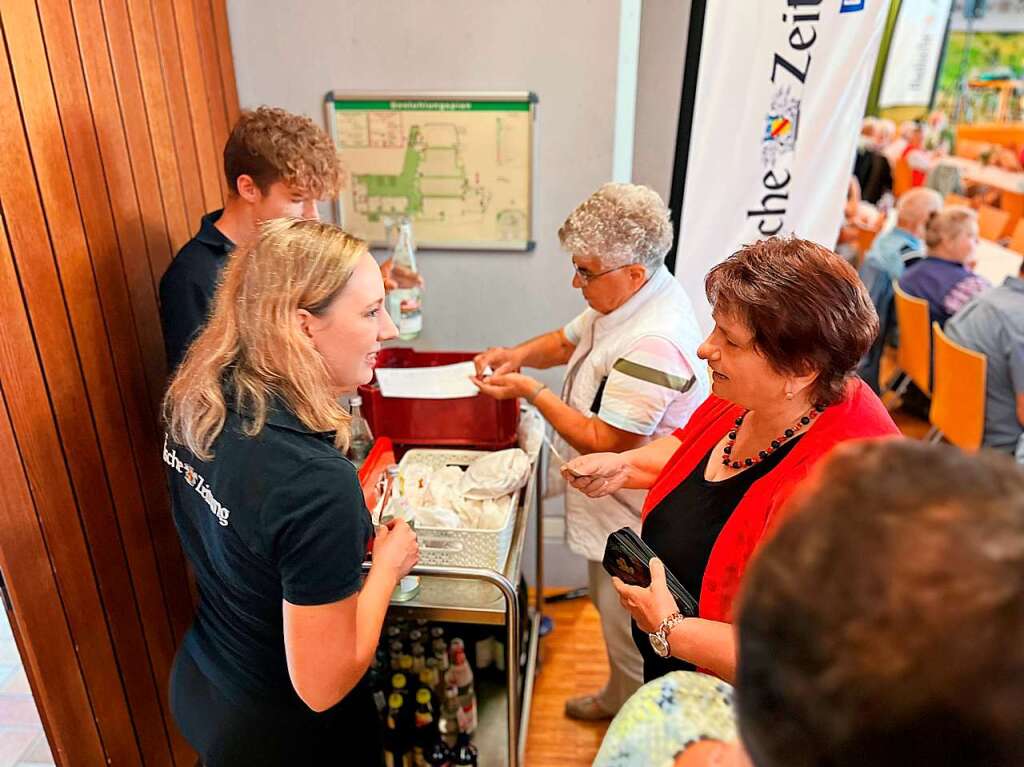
<point x="270" y="513"/>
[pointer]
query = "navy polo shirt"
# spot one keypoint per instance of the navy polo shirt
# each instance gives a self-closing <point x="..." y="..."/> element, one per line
<point x="279" y="516"/>
<point x="188" y="285"/>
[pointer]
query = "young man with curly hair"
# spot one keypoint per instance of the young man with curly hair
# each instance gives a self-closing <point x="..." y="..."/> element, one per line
<point x="277" y="164"/>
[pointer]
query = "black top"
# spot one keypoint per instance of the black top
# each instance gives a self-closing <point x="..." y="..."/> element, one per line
<point x="276" y="516"/>
<point x="188" y="285"/>
<point x="682" y="530"/>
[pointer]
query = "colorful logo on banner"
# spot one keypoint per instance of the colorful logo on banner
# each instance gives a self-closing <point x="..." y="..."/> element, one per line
<point x="795" y="98"/>
<point x="780" y="127"/>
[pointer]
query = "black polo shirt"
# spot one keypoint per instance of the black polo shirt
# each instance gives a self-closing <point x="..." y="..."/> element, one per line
<point x="279" y="516"/>
<point x="188" y="285"/>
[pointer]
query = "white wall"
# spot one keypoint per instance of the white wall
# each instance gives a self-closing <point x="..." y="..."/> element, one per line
<point x="291" y="54"/>
<point x="663" y="29"/>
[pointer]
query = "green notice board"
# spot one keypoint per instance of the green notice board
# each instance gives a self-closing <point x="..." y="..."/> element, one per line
<point x="459" y="166"/>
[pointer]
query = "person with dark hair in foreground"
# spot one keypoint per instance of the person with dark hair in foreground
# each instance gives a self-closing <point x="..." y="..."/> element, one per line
<point x="792" y="319"/>
<point x="882" y="625"/>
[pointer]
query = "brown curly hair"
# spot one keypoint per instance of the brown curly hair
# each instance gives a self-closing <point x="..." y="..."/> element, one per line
<point x="271" y="145"/>
<point x="806" y="306"/>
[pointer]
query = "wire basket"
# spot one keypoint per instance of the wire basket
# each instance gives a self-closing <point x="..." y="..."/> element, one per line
<point x="461" y="546"/>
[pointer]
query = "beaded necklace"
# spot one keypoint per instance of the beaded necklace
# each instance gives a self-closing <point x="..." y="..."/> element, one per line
<point x="788" y="434"/>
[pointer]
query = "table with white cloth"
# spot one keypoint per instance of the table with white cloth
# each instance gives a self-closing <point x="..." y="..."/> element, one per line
<point x="1010" y="183"/>
<point x="996" y="263"/>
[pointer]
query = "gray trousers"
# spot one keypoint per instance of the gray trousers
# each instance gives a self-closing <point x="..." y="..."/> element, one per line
<point x="625" y="661"/>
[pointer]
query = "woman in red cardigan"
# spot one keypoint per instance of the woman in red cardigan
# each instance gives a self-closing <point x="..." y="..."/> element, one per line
<point x="792" y="319"/>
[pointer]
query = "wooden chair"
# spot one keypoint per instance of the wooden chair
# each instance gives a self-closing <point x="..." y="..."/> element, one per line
<point x="914" y="354"/>
<point x="958" y="395"/>
<point x="866" y="235"/>
<point x="1017" y="240"/>
<point x="957" y="199"/>
<point x="902" y="177"/>
<point x="992" y="222"/>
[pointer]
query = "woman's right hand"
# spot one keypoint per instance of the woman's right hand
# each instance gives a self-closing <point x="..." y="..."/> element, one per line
<point x="396" y="548"/>
<point x="598" y="474"/>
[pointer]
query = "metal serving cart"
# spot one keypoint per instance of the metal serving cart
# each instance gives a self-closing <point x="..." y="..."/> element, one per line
<point x="504" y="710"/>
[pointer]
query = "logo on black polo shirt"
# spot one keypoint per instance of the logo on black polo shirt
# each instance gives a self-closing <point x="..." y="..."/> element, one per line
<point x="198" y="483"/>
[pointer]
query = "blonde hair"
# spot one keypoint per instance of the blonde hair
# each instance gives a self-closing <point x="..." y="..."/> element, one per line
<point x="620" y="224"/>
<point x="948" y="224"/>
<point x="252" y="350"/>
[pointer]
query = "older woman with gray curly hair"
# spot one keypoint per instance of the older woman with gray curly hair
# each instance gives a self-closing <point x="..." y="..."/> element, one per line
<point x="633" y="376"/>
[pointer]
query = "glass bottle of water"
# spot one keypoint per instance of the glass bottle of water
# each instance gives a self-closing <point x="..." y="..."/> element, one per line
<point x="405" y="305"/>
<point x="360" y="438"/>
<point x="395" y="506"/>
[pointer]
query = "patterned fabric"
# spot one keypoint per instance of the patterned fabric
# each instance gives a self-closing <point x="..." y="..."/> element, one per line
<point x="664" y="717"/>
<point x="947" y="286"/>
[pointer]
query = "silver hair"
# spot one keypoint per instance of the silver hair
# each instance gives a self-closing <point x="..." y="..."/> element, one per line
<point x="620" y="224"/>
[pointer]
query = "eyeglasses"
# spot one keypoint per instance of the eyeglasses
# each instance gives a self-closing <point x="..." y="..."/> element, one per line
<point x="587" y="277"/>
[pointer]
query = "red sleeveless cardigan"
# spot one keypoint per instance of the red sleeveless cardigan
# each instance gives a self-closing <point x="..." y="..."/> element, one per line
<point x="859" y="415"/>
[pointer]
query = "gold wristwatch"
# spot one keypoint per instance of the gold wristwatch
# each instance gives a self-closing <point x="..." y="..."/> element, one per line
<point x="659" y="639"/>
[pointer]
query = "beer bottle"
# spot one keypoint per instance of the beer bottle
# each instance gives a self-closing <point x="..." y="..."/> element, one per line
<point x="419" y="657"/>
<point x="396" y="750"/>
<point x="360" y="436"/>
<point x="424" y="729"/>
<point x="466" y="754"/>
<point x="462" y="675"/>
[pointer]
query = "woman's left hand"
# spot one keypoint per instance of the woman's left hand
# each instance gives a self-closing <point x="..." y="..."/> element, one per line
<point x="648" y="606"/>
<point x="507" y="385"/>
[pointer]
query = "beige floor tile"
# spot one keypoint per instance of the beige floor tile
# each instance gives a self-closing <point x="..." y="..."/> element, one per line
<point x="13" y="743"/>
<point x="39" y="751"/>
<point x="16" y="684"/>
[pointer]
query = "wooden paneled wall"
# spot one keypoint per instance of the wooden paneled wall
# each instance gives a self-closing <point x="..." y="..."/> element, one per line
<point x="113" y="114"/>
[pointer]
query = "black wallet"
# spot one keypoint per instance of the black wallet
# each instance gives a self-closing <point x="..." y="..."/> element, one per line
<point x="626" y="556"/>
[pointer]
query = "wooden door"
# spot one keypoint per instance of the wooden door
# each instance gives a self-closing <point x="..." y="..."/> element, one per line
<point x="112" y="116"/>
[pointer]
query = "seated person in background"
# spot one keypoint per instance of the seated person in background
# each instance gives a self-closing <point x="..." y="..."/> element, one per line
<point x="849" y="232"/>
<point x="1006" y="159"/>
<point x="791" y="321"/>
<point x="633" y="375"/>
<point x="917" y="157"/>
<point x="891" y="252"/>
<point x="885" y="132"/>
<point x="938" y="136"/>
<point x="944" y="278"/>
<point x="870" y="166"/>
<point x="993" y="324"/>
<point x="883" y="626"/>
<point x="886" y="261"/>
<point x="898" y="141"/>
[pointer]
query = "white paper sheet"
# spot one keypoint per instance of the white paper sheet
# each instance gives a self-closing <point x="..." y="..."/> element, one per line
<point x="442" y="382"/>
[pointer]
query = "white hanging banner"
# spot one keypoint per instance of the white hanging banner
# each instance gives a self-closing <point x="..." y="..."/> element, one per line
<point x="780" y="97"/>
<point x="914" y="51"/>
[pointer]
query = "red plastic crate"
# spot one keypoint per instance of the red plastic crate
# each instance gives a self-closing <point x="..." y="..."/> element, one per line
<point x="473" y="422"/>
